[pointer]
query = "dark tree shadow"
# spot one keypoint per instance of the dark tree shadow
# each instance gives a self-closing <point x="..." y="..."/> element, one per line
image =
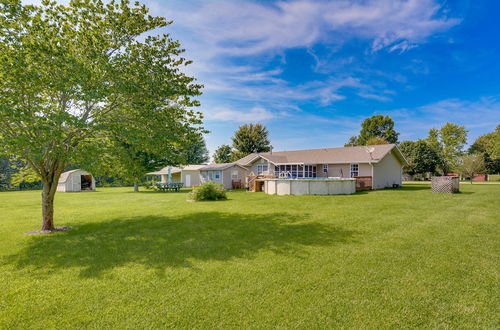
<point x="159" y="242"/>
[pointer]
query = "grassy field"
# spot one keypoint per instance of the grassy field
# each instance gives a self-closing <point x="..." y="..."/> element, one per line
<point x="381" y="259"/>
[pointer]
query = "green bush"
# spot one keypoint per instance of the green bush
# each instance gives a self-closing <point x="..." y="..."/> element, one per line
<point x="493" y="177"/>
<point x="209" y="191"/>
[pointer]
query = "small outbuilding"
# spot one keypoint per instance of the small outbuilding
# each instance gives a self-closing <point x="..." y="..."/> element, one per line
<point x="76" y="180"/>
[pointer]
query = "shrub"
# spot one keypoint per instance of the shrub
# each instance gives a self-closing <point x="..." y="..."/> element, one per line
<point x="209" y="191"/>
<point x="493" y="177"/>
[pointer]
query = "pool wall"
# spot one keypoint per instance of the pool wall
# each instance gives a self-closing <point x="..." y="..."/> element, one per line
<point x="309" y="187"/>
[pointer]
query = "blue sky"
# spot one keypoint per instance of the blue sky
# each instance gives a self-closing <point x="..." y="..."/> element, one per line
<point x="311" y="71"/>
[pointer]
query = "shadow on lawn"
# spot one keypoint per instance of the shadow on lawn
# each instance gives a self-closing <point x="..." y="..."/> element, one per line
<point x="159" y="242"/>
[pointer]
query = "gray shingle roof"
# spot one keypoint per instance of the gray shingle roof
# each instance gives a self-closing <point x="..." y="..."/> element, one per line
<point x="215" y="167"/>
<point x="341" y="155"/>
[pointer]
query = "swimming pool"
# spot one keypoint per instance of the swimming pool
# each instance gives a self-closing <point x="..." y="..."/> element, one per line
<point x="310" y="186"/>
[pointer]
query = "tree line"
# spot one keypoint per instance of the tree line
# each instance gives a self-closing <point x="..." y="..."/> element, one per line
<point x="442" y="151"/>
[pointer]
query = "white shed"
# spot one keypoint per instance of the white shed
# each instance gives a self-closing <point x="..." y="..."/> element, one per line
<point x="76" y="180"/>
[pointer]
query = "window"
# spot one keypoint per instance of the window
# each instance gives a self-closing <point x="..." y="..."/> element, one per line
<point x="310" y="171"/>
<point x="261" y="168"/>
<point x="217" y="175"/>
<point x="354" y="170"/>
<point x="234" y="175"/>
<point x="325" y="168"/>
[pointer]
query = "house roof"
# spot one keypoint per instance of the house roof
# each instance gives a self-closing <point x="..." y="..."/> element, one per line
<point x="65" y="175"/>
<point x="358" y="154"/>
<point x="164" y="171"/>
<point x="193" y="167"/>
<point x="220" y="167"/>
<point x="174" y="169"/>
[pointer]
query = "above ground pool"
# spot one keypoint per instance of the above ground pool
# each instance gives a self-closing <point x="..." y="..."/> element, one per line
<point x="311" y="186"/>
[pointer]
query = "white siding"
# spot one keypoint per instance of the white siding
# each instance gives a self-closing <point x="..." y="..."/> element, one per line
<point x="387" y="172"/>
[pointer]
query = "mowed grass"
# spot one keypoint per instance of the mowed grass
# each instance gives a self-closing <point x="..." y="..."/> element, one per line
<point x="402" y="258"/>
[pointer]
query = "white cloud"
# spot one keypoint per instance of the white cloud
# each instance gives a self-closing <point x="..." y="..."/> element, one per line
<point x="256" y="114"/>
<point x="246" y="28"/>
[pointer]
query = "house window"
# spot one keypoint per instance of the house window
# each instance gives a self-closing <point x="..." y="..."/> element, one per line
<point x="217" y="175"/>
<point x="310" y="171"/>
<point x="325" y="168"/>
<point x="234" y="175"/>
<point x="354" y="170"/>
<point x="261" y="168"/>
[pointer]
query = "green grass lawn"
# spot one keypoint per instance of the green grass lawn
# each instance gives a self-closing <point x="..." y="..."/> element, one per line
<point x="390" y="258"/>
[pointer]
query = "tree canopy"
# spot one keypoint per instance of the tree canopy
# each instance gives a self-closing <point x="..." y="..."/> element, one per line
<point x="223" y="154"/>
<point x="377" y="126"/>
<point x="196" y="151"/>
<point x="448" y="142"/>
<point x="469" y="165"/>
<point x="488" y="145"/>
<point x="250" y="138"/>
<point x="76" y="78"/>
<point x="420" y="156"/>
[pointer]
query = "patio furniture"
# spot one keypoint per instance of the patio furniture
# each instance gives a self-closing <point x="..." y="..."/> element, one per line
<point x="175" y="186"/>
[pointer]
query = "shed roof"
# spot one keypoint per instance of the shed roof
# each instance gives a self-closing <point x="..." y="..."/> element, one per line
<point x="65" y="175"/>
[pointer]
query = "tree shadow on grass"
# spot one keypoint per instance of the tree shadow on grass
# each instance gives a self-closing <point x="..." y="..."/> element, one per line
<point x="159" y="242"/>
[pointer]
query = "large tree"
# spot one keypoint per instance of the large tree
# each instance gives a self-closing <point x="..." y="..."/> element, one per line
<point x="420" y="156"/>
<point x="76" y="77"/>
<point x="448" y="142"/>
<point x="488" y="145"/>
<point x="196" y="151"/>
<point x="223" y="154"/>
<point x="250" y="138"/>
<point x="377" y="126"/>
<point x="469" y="165"/>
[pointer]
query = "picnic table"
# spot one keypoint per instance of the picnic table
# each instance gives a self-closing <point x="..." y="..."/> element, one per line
<point x="170" y="186"/>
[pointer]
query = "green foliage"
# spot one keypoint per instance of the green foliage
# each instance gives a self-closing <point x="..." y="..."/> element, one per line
<point x="25" y="174"/>
<point x="79" y="78"/>
<point x="377" y="126"/>
<point x="488" y="146"/>
<point x="493" y="177"/>
<point x="375" y="140"/>
<point x="196" y="151"/>
<point x="223" y="154"/>
<point x="209" y="191"/>
<point x="353" y="141"/>
<point x="469" y="165"/>
<point x="250" y="138"/>
<point x="420" y="156"/>
<point x="448" y="142"/>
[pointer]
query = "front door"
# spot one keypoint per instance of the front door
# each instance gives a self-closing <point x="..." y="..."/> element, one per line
<point x="188" y="180"/>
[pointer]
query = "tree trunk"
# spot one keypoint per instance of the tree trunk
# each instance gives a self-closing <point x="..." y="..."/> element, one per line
<point x="136" y="186"/>
<point x="49" y="190"/>
<point x="50" y="181"/>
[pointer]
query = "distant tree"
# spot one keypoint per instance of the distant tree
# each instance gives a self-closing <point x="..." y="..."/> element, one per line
<point x="375" y="140"/>
<point x="250" y="138"/>
<point x="223" y="154"/>
<point x="196" y="151"/>
<point x="353" y="141"/>
<point x="469" y="165"/>
<point x="74" y="76"/>
<point x="420" y="156"/>
<point x="448" y="142"/>
<point x="487" y="145"/>
<point x="377" y="126"/>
